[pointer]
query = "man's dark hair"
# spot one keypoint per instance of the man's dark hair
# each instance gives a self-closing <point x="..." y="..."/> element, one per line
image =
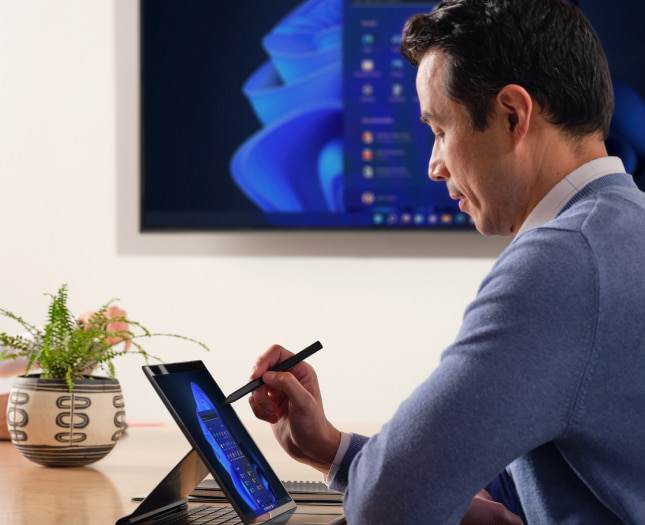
<point x="545" y="46"/>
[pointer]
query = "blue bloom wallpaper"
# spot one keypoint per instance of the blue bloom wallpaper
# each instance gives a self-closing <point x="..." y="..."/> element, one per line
<point x="300" y="114"/>
<point x="294" y="163"/>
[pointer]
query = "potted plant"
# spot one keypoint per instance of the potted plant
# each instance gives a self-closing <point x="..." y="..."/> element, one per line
<point x="64" y="415"/>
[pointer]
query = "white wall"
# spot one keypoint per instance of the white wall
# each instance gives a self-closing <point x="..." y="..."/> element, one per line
<point x="383" y="305"/>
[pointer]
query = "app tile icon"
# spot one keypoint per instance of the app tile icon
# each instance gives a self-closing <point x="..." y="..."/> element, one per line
<point x="368" y="198"/>
<point x="367" y="154"/>
<point x="446" y="218"/>
<point x="367" y="64"/>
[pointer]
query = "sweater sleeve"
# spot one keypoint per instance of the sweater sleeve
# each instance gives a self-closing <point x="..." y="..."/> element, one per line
<point x="504" y="387"/>
<point x="339" y="481"/>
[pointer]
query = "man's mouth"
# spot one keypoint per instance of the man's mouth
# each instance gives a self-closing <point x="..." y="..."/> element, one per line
<point x="459" y="197"/>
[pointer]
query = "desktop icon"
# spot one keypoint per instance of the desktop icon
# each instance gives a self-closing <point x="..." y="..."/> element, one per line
<point x="367" y="154"/>
<point x="367" y="65"/>
<point x="368" y="198"/>
<point x="461" y="219"/>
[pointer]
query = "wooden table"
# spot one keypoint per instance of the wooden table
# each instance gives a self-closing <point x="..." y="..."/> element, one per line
<point x="101" y="493"/>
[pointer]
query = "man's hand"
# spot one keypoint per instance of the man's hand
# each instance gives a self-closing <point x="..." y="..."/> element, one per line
<point x="292" y="403"/>
<point x="120" y="325"/>
<point x="484" y="511"/>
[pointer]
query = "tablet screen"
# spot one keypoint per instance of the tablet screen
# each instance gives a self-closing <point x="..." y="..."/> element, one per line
<point x="213" y="428"/>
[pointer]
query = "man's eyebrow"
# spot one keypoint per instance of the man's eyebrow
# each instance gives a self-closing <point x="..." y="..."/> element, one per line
<point x="427" y="117"/>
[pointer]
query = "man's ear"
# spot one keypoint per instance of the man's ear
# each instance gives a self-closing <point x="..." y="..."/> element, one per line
<point x="516" y="107"/>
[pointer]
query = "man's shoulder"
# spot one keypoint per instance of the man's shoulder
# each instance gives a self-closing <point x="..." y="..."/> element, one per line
<point x="604" y="229"/>
<point x="548" y="243"/>
<point x="606" y="221"/>
<point x="606" y="207"/>
<point x="613" y="201"/>
<point x="543" y="261"/>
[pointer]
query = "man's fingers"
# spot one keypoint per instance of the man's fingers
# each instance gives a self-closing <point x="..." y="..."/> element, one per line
<point x="264" y="411"/>
<point x="274" y="355"/>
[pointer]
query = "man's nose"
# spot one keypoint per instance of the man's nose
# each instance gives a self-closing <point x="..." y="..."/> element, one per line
<point x="437" y="170"/>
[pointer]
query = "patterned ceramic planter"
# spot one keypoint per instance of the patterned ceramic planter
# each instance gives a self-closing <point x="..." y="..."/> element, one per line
<point x="52" y="426"/>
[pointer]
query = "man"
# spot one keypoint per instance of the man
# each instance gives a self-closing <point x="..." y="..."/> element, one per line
<point x="543" y="391"/>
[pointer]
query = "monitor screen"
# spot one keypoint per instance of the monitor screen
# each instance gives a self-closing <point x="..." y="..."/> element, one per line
<point x="301" y="114"/>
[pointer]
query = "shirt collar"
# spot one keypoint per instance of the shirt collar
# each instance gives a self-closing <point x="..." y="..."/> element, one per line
<point x="553" y="202"/>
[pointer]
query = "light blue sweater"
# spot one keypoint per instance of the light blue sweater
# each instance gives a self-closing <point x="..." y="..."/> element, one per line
<point x="546" y="376"/>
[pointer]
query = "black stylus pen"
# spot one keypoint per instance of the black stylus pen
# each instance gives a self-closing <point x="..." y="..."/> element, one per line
<point x="282" y="367"/>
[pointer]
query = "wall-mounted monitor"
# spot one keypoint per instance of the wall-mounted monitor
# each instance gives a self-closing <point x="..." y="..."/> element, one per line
<point x="287" y="115"/>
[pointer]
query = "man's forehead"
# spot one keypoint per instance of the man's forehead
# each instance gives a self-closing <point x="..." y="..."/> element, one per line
<point x="433" y="64"/>
<point x="430" y="77"/>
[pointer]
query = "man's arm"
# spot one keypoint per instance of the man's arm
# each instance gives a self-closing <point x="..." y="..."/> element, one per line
<point x="505" y="387"/>
<point x="294" y="413"/>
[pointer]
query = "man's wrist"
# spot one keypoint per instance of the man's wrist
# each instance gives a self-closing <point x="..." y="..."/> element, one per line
<point x="343" y="446"/>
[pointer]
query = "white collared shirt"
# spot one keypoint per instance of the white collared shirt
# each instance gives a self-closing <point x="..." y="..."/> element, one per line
<point x="343" y="447"/>
<point x="553" y="202"/>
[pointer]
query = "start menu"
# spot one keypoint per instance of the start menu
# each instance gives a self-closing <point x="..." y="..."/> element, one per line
<point x="387" y="148"/>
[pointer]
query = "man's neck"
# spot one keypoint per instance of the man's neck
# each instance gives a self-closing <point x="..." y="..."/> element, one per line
<point x="562" y="193"/>
<point x="554" y="157"/>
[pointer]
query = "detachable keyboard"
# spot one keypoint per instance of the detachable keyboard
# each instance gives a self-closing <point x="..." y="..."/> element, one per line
<point x="205" y="514"/>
